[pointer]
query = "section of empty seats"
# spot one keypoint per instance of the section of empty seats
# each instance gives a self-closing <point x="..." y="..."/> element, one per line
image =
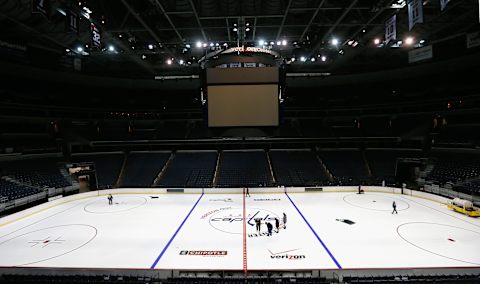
<point x="454" y="167"/>
<point x="383" y="162"/>
<point x="142" y="168"/>
<point x="347" y="166"/>
<point x="297" y="168"/>
<point x="244" y="168"/>
<point x="469" y="187"/>
<point x="414" y="279"/>
<point x="36" y="172"/>
<point x="190" y="169"/>
<point x="10" y="190"/>
<point x="107" y="166"/>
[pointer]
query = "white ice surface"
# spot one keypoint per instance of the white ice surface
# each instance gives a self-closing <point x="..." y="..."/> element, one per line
<point x="133" y="232"/>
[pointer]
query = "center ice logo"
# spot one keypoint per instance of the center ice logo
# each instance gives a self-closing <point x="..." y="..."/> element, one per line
<point x="230" y="220"/>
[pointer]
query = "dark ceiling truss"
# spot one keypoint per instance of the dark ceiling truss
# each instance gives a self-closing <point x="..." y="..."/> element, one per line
<point x="147" y="27"/>
<point x="132" y="25"/>
<point x="379" y="10"/>
<point x="284" y="18"/>
<point x="307" y="27"/>
<point x="160" y="6"/>
<point x="339" y="20"/>
<point x="197" y="18"/>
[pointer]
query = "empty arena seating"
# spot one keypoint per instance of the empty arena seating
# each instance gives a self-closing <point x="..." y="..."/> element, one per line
<point x="383" y="162"/>
<point x="297" y="168"/>
<point x="141" y="169"/>
<point x="107" y="166"/>
<point x="244" y="168"/>
<point x="252" y="280"/>
<point x="190" y="169"/>
<point x="415" y="279"/>
<point x="25" y="279"/>
<point x="347" y="166"/>
<point x="454" y="167"/>
<point x="11" y="190"/>
<point x="41" y="173"/>
<point x="469" y="187"/>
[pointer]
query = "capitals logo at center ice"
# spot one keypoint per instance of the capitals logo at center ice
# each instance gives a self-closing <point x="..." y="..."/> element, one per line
<point x="231" y="220"/>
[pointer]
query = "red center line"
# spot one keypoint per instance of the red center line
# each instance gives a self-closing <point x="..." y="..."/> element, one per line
<point x="244" y="236"/>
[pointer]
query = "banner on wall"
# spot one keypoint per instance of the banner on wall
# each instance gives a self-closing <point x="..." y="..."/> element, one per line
<point x="72" y="21"/>
<point x="391" y="29"/>
<point x="443" y="4"/>
<point x="420" y="54"/>
<point x="96" y="39"/>
<point x="415" y="13"/>
<point x="41" y="7"/>
<point x="77" y="64"/>
<point x="473" y="40"/>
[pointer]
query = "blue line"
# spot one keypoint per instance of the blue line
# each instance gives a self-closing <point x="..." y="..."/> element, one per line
<point x="315" y="233"/>
<point x="175" y="234"/>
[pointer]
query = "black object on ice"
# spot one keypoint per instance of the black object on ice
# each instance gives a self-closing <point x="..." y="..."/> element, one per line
<point x="349" y="222"/>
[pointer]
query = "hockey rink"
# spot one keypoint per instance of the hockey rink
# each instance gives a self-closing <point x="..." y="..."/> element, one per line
<point x="217" y="231"/>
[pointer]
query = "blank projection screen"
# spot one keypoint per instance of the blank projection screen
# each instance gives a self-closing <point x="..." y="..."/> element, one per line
<point x="243" y="105"/>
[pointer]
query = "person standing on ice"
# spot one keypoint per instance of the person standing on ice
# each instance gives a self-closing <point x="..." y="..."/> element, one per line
<point x="277" y="225"/>
<point x="284" y="220"/>
<point x="270" y="228"/>
<point x="258" y="223"/>
<point x="394" y="205"/>
<point x="110" y="199"/>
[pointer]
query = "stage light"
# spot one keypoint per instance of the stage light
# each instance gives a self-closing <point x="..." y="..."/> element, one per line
<point x="204" y="45"/>
<point x="187" y="46"/>
<point x="144" y="56"/>
<point x="284" y="42"/>
<point x="169" y="61"/>
<point x="312" y="59"/>
<point x="303" y="59"/>
<point x="225" y="44"/>
<point x="217" y="44"/>
<point x="198" y="44"/>
<point x="111" y="48"/>
<point x="334" y="41"/>
<point x="247" y="24"/>
<point x="409" y="40"/>
<point x="279" y="42"/>
<point x="67" y="50"/>
<point x="293" y="59"/>
<point x="235" y="29"/>
<point x="324" y="58"/>
<point x="261" y="42"/>
<point x="376" y="41"/>
<point x="79" y="49"/>
<point x="272" y="43"/>
<point x="212" y="44"/>
<point x="422" y="41"/>
<point x="150" y="46"/>
<point x="181" y="62"/>
<point x="247" y="29"/>
<point x="120" y="35"/>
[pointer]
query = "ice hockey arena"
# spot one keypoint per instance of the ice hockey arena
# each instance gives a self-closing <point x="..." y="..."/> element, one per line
<point x="256" y="141"/>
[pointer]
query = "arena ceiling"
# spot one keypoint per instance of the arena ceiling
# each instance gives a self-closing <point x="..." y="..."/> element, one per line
<point x="159" y="35"/>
